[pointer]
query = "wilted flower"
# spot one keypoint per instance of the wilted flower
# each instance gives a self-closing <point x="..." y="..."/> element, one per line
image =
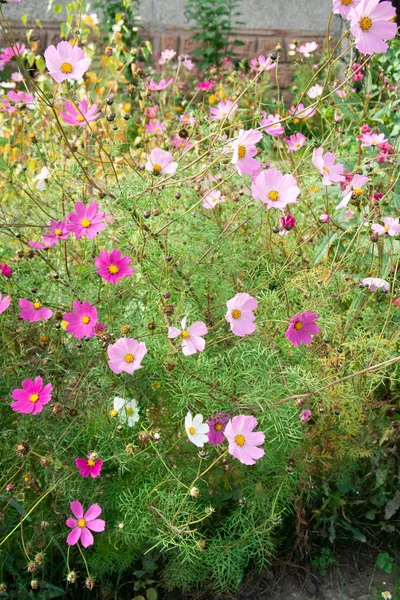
<point x="217" y="426"/>
<point x="305" y="415"/>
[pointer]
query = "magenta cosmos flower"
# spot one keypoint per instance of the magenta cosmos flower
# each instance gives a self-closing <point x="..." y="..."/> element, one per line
<point x="126" y="355"/>
<point x="4" y="302"/>
<point x="58" y="230"/>
<point x="33" y="311"/>
<point x="113" y="266"/>
<point x="192" y="341"/>
<point x="84" y="524"/>
<point x="372" y="24"/>
<point x="240" y="314"/>
<point x="12" y="52"/>
<point x="89" y="466"/>
<point x="82" y="322"/>
<point x="305" y="415"/>
<point x="391" y="227"/>
<point x="32" y="397"/>
<point x="216" y="429"/>
<point x="66" y="62"/>
<point x="295" y="142"/>
<point x="274" y="189"/>
<point x="353" y="188"/>
<point x="243" y="151"/>
<point x="205" y="86"/>
<point x="325" y="163"/>
<point x="81" y="114"/>
<point x="272" y="124"/>
<point x="223" y="110"/>
<point x="243" y="441"/>
<point x="6" y="270"/>
<point x="86" y="220"/>
<point x="302" y="327"/>
<point x="343" y="7"/>
<point x="160" y="161"/>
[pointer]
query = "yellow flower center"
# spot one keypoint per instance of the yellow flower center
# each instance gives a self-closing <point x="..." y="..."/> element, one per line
<point x="85" y="320"/>
<point x="66" y="67"/>
<point x="236" y="313"/>
<point x="85" y="223"/>
<point x="218" y="427"/>
<point x="80" y="118"/>
<point x="129" y="358"/>
<point x="36" y="305"/>
<point x="81" y="522"/>
<point x="99" y="331"/>
<point x="113" y="412"/>
<point x="326" y="170"/>
<point x="33" y="398"/>
<point x="297" y="144"/>
<point x="298" y="326"/>
<point x="113" y="269"/>
<point x="346" y="2"/>
<point x="386" y="227"/>
<point x="240" y="440"/>
<point x="241" y="151"/>
<point x="64" y="324"/>
<point x="366" y="23"/>
<point x="273" y="195"/>
<point x="185" y="335"/>
<point x="157" y="169"/>
<point x="129" y="411"/>
<point x="58" y="232"/>
<point x="192" y="430"/>
<point x="357" y="191"/>
<point x="91" y="462"/>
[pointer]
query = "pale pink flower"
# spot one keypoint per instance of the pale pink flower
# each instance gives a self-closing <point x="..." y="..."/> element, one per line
<point x="15" y="100"/>
<point x="305" y="415"/>
<point x="17" y="77"/>
<point x="151" y="111"/>
<point x="86" y="221"/>
<point x="295" y="142"/>
<point x="391" y="227"/>
<point x="325" y="163"/>
<point x="262" y="63"/>
<point x="5" y="302"/>
<point x="343" y="7"/>
<point x="308" y="48"/>
<point x="66" y="62"/>
<point x="324" y="218"/>
<point x="372" y="24"/>
<point x="83" y="525"/>
<point x="192" y="340"/>
<point x="373" y="139"/>
<point x="187" y="119"/>
<point x="33" y="311"/>
<point x="275" y="189"/>
<point x="342" y="94"/>
<point x="272" y="124"/>
<point x="126" y="355"/>
<point x="81" y="114"/>
<point x="302" y="326"/>
<point x="244" y="148"/>
<point x="224" y="110"/>
<point x="240" y="314"/>
<point x="155" y="127"/>
<point x="160" y="161"/>
<point x="166" y="56"/>
<point x="188" y="63"/>
<point x="243" y="441"/>
<point x="301" y="113"/>
<point x="315" y="91"/>
<point x="375" y="283"/>
<point x="161" y="85"/>
<point x="355" y="187"/>
<point x="181" y="143"/>
<point x="212" y="199"/>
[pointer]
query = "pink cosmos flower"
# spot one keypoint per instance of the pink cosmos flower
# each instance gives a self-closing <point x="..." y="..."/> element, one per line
<point x="342" y="94"/>
<point x="325" y="163"/>
<point x="308" y="48"/>
<point x="32" y="397"/>
<point x="163" y="84"/>
<point x="89" y="466"/>
<point x="33" y="311"/>
<point x="372" y="139"/>
<point x="243" y="151"/>
<point x="302" y="327"/>
<point x="155" y="127"/>
<point x="81" y="114"/>
<point x="375" y="283"/>
<point x="338" y="118"/>
<point x="216" y="429"/>
<point x="6" y="270"/>
<point x="212" y="199"/>
<point x="391" y="227"/>
<point x="385" y="151"/>
<point x="358" y="74"/>
<point x="288" y="222"/>
<point x="243" y="441"/>
<point x="305" y="415"/>
<point x="58" y="230"/>
<point x="151" y="111"/>
<point x="66" y="62"/>
<point x="354" y="187"/>
<point x="41" y="245"/>
<point x="4" y="302"/>
<point x="301" y="113"/>
<point x="188" y="63"/>
<point x="205" y="86"/>
<point x="126" y="355"/>
<point x="224" y="110"/>
<point x="240" y="314"/>
<point x="187" y="119"/>
<point x="272" y="124"/>
<point x="84" y="524"/>
<point x="14" y="100"/>
<point x="324" y="218"/>
<point x="99" y="329"/>
<point x="166" y="56"/>
<point x="17" y="77"/>
<point x="12" y="52"/>
<point x="262" y="63"/>
<point x="86" y="220"/>
<point x="274" y="189"/>
<point x="295" y="142"/>
<point x="315" y="91"/>
<point x="113" y="266"/>
<point x="372" y="25"/>
<point x="192" y="340"/>
<point x="160" y="161"/>
<point x="81" y="322"/>
<point x="181" y="143"/>
<point x="343" y="7"/>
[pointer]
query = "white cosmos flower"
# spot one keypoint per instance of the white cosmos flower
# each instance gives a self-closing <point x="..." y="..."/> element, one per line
<point x="196" y="429"/>
<point x="41" y="178"/>
<point x="128" y="411"/>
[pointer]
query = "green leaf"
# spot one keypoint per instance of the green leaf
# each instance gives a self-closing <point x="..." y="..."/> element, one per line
<point x="323" y="248"/>
<point x="151" y="594"/>
<point x="58" y="8"/>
